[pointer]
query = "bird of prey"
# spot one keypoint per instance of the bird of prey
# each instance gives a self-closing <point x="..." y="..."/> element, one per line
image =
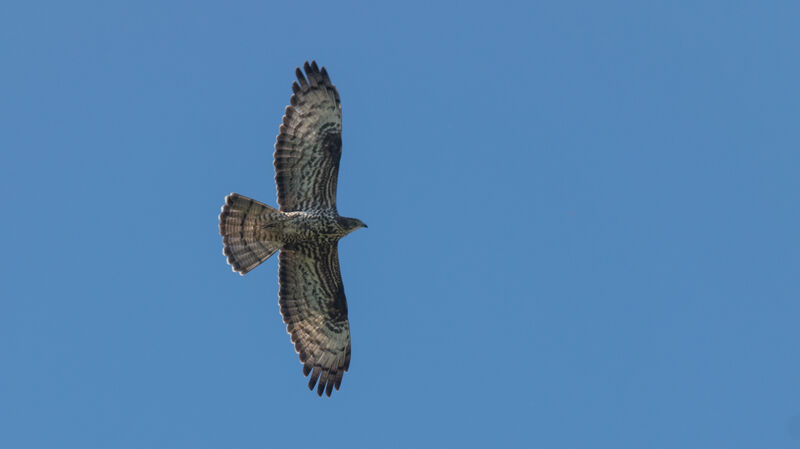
<point x="305" y="229"/>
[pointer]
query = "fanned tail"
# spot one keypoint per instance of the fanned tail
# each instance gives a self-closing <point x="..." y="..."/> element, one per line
<point x="242" y="225"/>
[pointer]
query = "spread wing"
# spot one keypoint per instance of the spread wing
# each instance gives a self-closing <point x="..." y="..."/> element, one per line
<point x="309" y="146"/>
<point x="314" y="309"/>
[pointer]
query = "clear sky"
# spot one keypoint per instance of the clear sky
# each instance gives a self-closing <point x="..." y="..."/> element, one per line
<point x="583" y="224"/>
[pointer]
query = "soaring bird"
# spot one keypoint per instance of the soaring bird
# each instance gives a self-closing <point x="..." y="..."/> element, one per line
<point x="305" y="229"/>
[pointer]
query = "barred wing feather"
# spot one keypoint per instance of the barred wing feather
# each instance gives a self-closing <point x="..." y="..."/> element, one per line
<point x="314" y="308"/>
<point x="309" y="145"/>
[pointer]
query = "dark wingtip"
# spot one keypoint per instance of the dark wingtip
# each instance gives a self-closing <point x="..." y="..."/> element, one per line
<point x="320" y="388"/>
<point x="311" y="74"/>
<point x="299" y="74"/>
<point x="314" y="376"/>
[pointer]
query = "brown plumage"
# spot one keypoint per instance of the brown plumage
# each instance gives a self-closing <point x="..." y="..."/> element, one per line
<point x="306" y="230"/>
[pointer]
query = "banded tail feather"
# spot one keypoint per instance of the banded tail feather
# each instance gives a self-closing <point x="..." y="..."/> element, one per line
<point x="242" y="226"/>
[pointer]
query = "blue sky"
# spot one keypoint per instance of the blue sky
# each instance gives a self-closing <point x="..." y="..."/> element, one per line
<point x="583" y="224"/>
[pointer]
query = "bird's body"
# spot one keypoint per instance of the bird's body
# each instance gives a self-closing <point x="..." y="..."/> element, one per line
<point x="306" y="229"/>
<point x="315" y="226"/>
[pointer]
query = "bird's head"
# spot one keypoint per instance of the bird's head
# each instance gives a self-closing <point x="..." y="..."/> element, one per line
<point x="351" y="224"/>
